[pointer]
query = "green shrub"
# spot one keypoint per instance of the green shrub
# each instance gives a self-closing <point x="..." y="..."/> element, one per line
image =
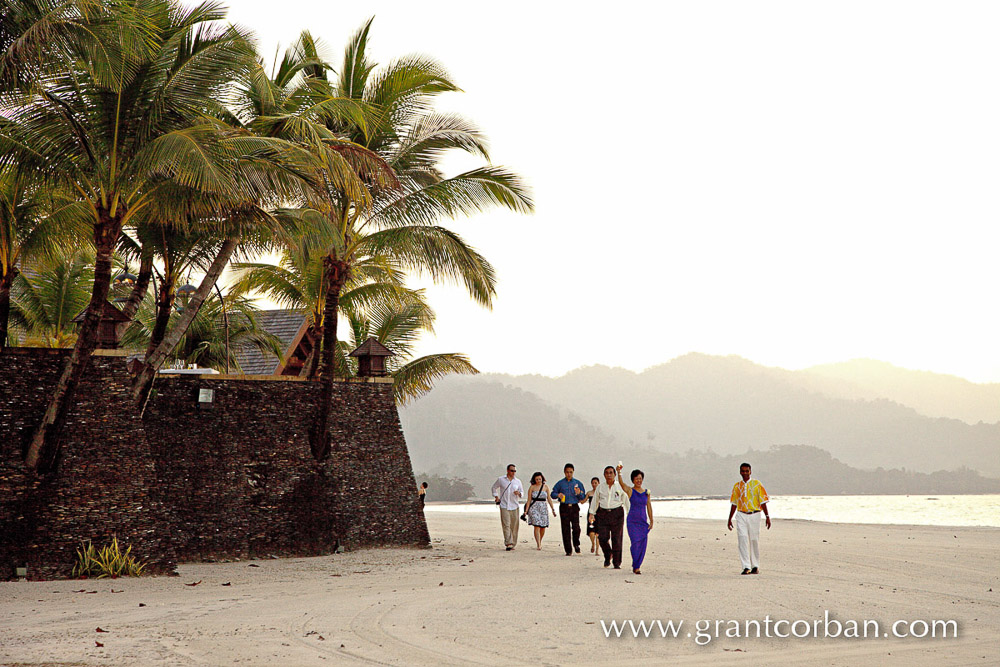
<point x="108" y="561"/>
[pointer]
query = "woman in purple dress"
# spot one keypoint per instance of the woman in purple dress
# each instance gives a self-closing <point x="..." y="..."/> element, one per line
<point x="640" y="509"/>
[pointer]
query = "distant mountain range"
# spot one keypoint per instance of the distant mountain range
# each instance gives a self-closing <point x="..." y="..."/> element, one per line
<point x="865" y="414"/>
<point x="930" y="394"/>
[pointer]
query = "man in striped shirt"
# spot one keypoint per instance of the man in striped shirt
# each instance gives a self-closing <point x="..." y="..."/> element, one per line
<point x="747" y="501"/>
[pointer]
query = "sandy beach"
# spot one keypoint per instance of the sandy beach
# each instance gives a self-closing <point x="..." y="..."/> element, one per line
<point x="467" y="601"/>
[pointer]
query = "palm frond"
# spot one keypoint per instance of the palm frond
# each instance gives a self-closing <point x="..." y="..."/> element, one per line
<point x="416" y="378"/>
<point x="469" y="193"/>
<point x="431" y="136"/>
<point x="439" y="253"/>
<point x="356" y="68"/>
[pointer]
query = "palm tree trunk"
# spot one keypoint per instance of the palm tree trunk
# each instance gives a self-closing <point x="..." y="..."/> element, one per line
<point x="43" y="448"/>
<point x="141" y="284"/>
<point x="164" y="303"/>
<point x="143" y="382"/>
<point x="5" y="284"/>
<point x="311" y="365"/>
<point x="335" y="275"/>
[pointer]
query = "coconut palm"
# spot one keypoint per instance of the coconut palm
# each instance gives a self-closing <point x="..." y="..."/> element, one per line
<point x="48" y="295"/>
<point x="220" y="329"/>
<point x="399" y="326"/>
<point x="38" y="37"/>
<point x="297" y="282"/>
<point x="390" y="312"/>
<point x="289" y="108"/>
<point x="179" y="251"/>
<point x="121" y="128"/>
<point x="402" y="221"/>
<point x="24" y="234"/>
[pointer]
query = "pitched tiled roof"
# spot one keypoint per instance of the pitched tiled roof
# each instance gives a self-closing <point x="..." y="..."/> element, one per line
<point x="284" y="324"/>
<point x="372" y="348"/>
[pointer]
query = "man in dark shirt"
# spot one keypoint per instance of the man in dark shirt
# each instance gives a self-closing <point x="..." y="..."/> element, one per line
<point x="570" y="492"/>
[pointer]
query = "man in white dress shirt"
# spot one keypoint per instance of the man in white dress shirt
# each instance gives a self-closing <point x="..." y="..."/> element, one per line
<point x="608" y="515"/>
<point x="506" y="492"/>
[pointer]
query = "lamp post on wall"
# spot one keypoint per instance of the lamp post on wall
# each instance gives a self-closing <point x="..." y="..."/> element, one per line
<point x="371" y="356"/>
<point x="123" y="279"/>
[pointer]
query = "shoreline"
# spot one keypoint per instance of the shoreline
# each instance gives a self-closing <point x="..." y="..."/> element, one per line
<point x="931" y="496"/>
<point x="953" y="511"/>
<point x="774" y="519"/>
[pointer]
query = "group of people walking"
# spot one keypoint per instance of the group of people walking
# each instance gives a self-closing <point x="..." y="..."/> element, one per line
<point x="607" y="503"/>
<point x="605" y="511"/>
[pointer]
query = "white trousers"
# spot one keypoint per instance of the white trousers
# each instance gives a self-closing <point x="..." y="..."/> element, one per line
<point x="748" y="538"/>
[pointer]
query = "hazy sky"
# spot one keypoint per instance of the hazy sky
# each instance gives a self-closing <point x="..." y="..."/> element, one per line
<point x="793" y="182"/>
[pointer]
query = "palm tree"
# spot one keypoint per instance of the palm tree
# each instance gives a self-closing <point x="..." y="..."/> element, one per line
<point x="297" y="282"/>
<point x="205" y="342"/>
<point x="126" y="109"/>
<point x="37" y="37"/>
<point x="375" y="302"/>
<point x="48" y="295"/>
<point x="402" y="221"/>
<point x="398" y="326"/>
<point x="284" y="108"/>
<point x="24" y="235"/>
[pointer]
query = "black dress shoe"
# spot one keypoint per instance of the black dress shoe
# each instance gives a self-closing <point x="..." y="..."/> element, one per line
<point x="754" y="571"/>
<point x="618" y="567"/>
<point x="745" y="571"/>
<point x="607" y="563"/>
<point x="510" y="548"/>
<point x="578" y="549"/>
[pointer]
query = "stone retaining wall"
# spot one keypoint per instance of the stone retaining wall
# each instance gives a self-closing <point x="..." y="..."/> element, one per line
<point x="232" y="479"/>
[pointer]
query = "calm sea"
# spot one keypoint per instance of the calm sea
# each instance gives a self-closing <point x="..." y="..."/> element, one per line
<point x="968" y="510"/>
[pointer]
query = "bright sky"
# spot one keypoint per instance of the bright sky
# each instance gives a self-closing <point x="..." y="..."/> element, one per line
<point x="793" y="182"/>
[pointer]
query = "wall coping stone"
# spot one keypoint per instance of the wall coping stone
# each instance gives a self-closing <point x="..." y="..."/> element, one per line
<point x="270" y="378"/>
<point x="56" y="351"/>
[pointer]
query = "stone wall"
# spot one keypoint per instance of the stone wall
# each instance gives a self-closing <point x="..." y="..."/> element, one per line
<point x="106" y="481"/>
<point x="234" y="479"/>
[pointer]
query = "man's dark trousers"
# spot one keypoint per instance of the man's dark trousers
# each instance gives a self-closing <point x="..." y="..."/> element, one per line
<point x="609" y="525"/>
<point x="569" y="517"/>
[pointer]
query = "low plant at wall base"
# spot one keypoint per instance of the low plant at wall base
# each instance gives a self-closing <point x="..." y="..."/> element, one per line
<point x="108" y="561"/>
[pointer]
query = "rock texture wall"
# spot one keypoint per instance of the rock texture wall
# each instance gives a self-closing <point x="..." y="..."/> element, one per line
<point x="235" y="479"/>
<point x="106" y="484"/>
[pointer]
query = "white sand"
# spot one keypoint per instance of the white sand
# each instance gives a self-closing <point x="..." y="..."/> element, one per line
<point x="467" y="601"/>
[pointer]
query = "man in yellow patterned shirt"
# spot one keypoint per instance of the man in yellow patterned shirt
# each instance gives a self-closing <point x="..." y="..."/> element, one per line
<point x="748" y="499"/>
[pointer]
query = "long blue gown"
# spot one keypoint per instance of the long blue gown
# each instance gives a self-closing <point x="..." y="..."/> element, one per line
<point x="638" y="526"/>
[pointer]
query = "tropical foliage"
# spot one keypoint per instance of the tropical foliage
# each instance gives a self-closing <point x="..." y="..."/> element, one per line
<point x="400" y="217"/>
<point x="28" y="231"/>
<point x="224" y="325"/>
<point x="47" y="295"/>
<point x="398" y="325"/>
<point x="107" y="562"/>
<point x="155" y="130"/>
